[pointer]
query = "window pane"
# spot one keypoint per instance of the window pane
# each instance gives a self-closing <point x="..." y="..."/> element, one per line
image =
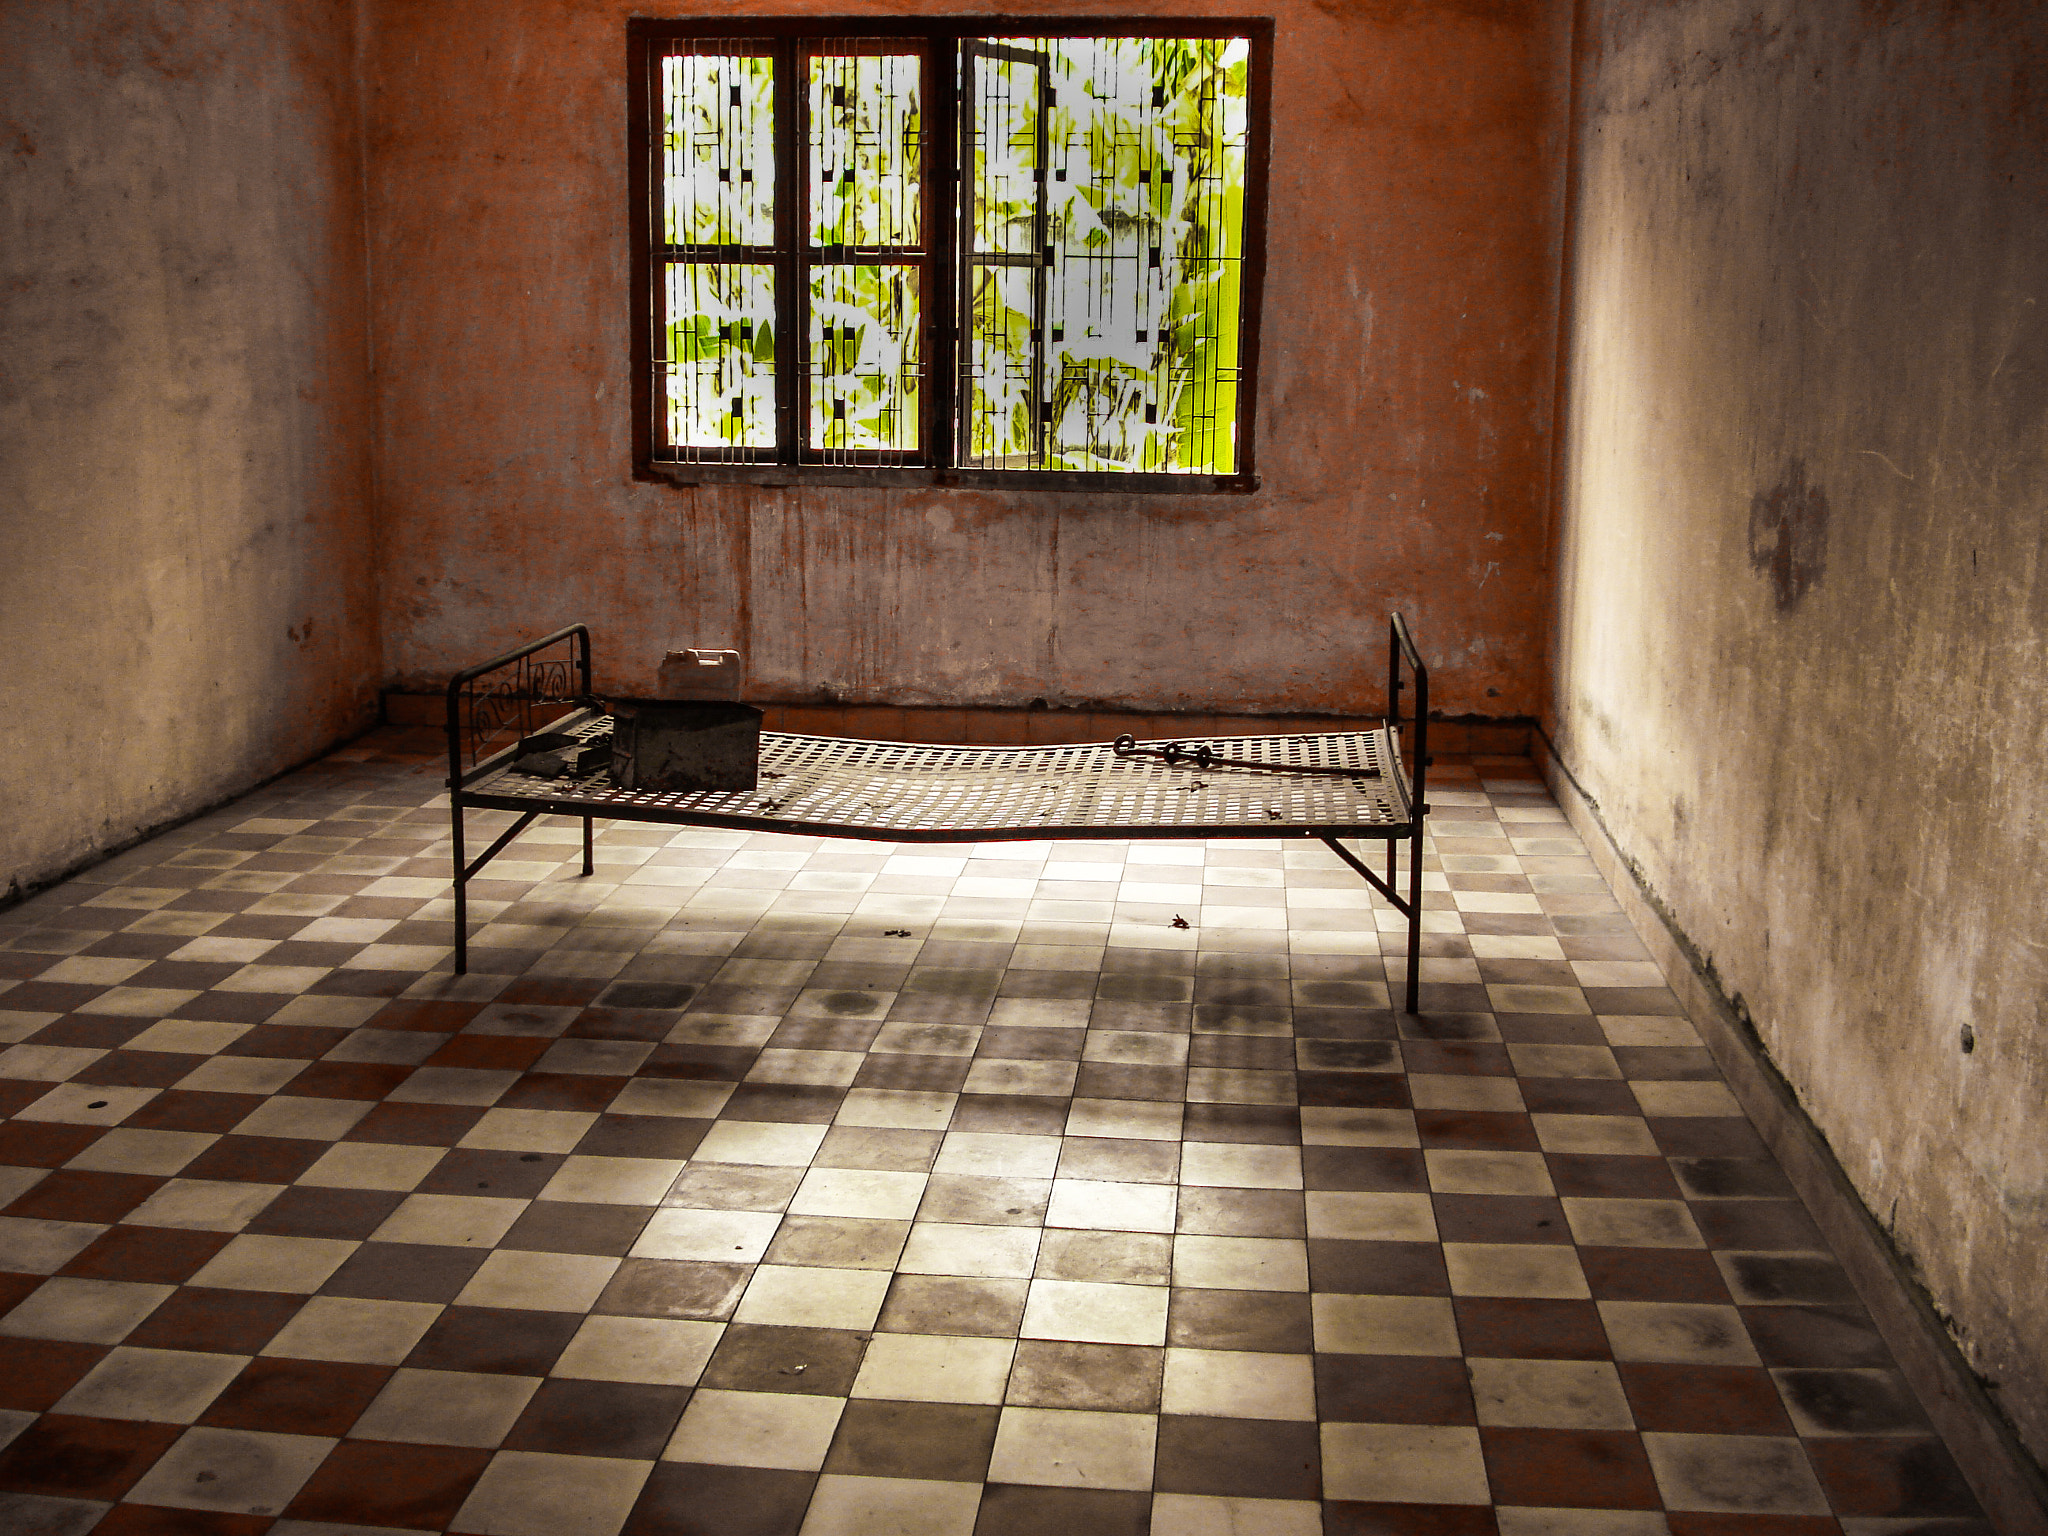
<point x="866" y="149"/>
<point x="866" y="365"/>
<point x="1136" y="341"/>
<point x="1005" y="146"/>
<point x="997" y="374"/>
<point x="718" y="149"/>
<point x="720" y="369"/>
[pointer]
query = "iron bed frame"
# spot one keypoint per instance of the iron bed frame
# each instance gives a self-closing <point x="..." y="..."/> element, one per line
<point x="1350" y="784"/>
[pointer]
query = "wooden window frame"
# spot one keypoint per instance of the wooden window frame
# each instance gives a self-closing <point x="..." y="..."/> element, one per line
<point x="940" y="38"/>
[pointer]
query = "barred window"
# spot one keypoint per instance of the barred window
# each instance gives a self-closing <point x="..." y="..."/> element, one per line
<point x="926" y="256"/>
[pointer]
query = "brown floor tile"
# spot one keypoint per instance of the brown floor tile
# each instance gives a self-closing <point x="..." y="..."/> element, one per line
<point x="1344" y="1517"/>
<point x="405" y="1272"/>
<point x="1731" y="1178"/>
<point x="552" y="991"/>
<point x="297" y="1397"/>
<point x="1377" y="1269"/>
<point x="182" y="1109"/>
<point x="348" y="1080"/>
<point x="1127" y="1080"/>
<point x="1476" y="1130"/>
<point x="103" y="1032"/>
<point x="231" y="1007"/>
<point x="978" y="1201"/>
<point x="1017" y="1114"/>
<point x="752" y="1357"/>
<point x="489" y="1053"/>
<point x="1242" y="1212"/>
<point x="494" y="1339"/>
<point x="598" y="1418"/>
<point x="34" y="1373"/>
<point x="674" y="1288"/>
<point x="1815" y="1336"/>
<point x="1652" y="1274"/>
<point x="1612" y="1178"/>
<point x="1268" y="1322"/>
<point x="1893" y="1477"/>
<point x="1457" y="1057"/>
<point x="71" y="1194"/>
<point x="368" y="1482"/>
<point x="256" y="1159"/>
<point x="684" y="1499"/>
<point x="1353" y="1090"/>
<point x="1850" y="1402"/>
<point x="784" y="1103"/>
<point x="1707" y="1136"/>
<point x="700" y="1063"/>
<point x="1575" y="1468"/>
<point x="563" y="1226"/>
<point x="151" y="1255"/>
<point x="1392" y="1389"/>
<point x="1758" y="1225"/>
<point x="1014" y="1509"/>
<point x="1270" y="1125"/>
<point x="1684" y="1523"/>
<point x="417" y="1125"/>
<point x="587" y="1093"/>
<point x="951" y="1304"/>
<point x="15" y="1289"/>
<point x="946" y="1441"/>
<point x="1526" y="1328"/>
<point x="136" y="1069"/>
<point x="642" y="1136"/>
<point x="1783" y="1277"/>
<point x="501" y="1175"/>
<point x="1549" y="1029"/>
<point x="27" y="1145"/>
<point x="285" y="1041"/>
<point x="1500" y="1219"/>
<point x="75" y="1458"/>
<point x="1577" y="1096"/>
<point x="437" y="1016"/>
<point x="1364" y="1168"/>
<point x="1056" y="1373"/>
<point x="1704" y="1399"/>
<point x="1242" y="1458"/>
<point x="161" y="1520"/>
<point x="838" y="1242"/>
<point x="309" y="1211"/>
<point x="218" y="1322"/>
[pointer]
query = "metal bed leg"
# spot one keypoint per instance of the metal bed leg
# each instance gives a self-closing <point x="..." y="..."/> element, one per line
<point x="589" y="865"/>
<point x="461" y="882"/>
<point x="1414" y="917"/>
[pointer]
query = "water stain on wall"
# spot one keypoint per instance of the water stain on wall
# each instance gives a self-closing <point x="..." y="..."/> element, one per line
<point x="1788" y="535"/>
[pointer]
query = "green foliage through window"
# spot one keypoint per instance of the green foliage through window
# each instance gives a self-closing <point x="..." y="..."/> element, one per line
<point x="1094" y="267"/>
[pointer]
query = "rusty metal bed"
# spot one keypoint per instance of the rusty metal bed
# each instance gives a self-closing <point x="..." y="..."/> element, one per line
<point x="1343" y="784"/>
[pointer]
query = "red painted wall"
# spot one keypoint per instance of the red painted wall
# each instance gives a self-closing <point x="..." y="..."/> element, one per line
<point x="1404" y="406"/>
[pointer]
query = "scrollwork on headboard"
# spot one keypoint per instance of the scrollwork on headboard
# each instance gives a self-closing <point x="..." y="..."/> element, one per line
<point x="493" y="705"/>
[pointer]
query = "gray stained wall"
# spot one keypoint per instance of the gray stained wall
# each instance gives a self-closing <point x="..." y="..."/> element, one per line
<point x="1803" y="606"/>
<point x="185" y="538"/>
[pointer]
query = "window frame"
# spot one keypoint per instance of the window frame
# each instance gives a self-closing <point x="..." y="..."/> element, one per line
<point x="939" y="39"/>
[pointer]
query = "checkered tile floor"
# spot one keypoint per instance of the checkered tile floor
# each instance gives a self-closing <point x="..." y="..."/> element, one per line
<point x="765" y="1185"/>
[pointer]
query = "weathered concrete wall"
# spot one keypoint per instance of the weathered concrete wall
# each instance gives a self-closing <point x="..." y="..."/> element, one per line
<point x="1403" y="414"/>
<point x="185" y="548"/>
<point x="1803" y="603"/>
